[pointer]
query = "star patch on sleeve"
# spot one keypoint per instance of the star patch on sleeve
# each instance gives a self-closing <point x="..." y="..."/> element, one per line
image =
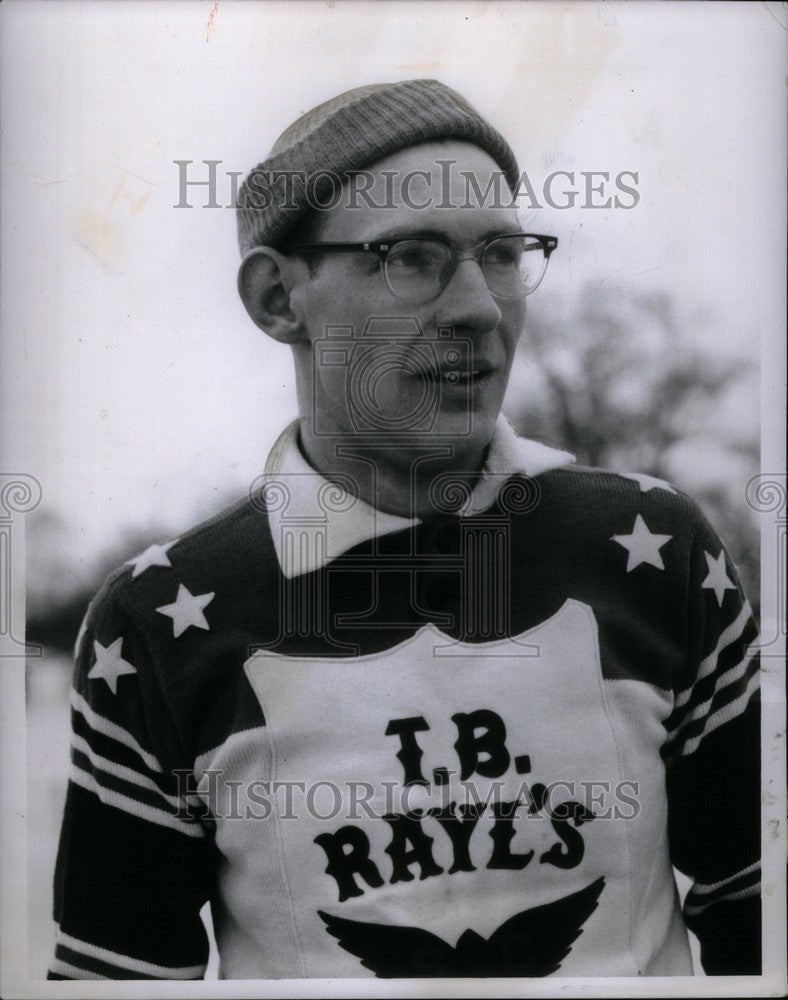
<point x="642" y="545"/>
<point x="717" y="579"/>
<point x="110" y="664"/>
<point x="154" y="555"/>
<point x="187" y="610"/>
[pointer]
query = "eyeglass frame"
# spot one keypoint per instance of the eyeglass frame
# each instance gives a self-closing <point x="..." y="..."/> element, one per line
<point x="382" y="247"/>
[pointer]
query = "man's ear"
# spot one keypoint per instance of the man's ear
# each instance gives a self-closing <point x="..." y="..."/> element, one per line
<point x="266" y="294"/>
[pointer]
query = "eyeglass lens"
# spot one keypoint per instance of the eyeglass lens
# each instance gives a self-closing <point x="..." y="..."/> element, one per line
<point x="418" y="270"/>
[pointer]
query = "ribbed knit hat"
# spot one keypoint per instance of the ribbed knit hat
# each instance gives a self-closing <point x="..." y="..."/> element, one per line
<point x="348" y="133"/>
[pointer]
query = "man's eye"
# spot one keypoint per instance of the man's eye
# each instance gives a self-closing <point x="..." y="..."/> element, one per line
<point x="503" y="256"/>
<point x="416" y="258"/>
<point x="411" y="260"/>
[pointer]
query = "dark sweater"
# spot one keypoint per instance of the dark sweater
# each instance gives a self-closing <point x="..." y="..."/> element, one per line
<point x="544" y="706"/>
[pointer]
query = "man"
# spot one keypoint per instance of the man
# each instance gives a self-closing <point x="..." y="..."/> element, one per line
<point x="432" y="700"/>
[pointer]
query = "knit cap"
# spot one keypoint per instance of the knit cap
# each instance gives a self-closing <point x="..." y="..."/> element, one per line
<point x="317" y="152"/>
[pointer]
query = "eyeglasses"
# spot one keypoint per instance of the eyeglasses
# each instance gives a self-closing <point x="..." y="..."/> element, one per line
<point x="418" y="269"/>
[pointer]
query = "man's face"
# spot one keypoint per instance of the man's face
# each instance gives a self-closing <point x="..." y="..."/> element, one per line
<point x="442" y="377"/>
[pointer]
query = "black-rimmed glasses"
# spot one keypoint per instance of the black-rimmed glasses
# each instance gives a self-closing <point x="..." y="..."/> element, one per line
<point x="418" y="269"/>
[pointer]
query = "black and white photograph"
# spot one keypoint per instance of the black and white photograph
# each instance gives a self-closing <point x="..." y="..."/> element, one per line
<point x="392" y="498"/>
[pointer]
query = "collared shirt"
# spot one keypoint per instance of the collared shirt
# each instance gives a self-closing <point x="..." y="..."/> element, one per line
<point x="327" y="510"/>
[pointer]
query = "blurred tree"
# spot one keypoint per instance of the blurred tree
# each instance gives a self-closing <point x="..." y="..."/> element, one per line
<point x="618" y="380"/>
<point x="58" y="592"/>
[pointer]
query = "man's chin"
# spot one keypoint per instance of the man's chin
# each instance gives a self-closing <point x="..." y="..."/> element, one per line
<point x="467" y="431"/>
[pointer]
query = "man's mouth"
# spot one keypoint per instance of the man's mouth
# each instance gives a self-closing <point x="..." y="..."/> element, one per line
<point x="456" y="376"/>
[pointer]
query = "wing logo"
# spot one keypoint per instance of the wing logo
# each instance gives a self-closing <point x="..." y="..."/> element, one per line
<point x="531" y="943"/>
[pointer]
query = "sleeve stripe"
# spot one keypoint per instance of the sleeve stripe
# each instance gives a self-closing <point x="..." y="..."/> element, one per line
<point x="724" y="700"/>
<point x="129" y="805"/>
<point x="141" y="794"/>
<point x="725" y="714"/>
<point x="729" y="678"/>
<point x="702" y="888"/>
<point x="124" y="773"/>
<point x="691" y="909"/>
<point x="726" y="696"/>
<point x="745" y="879"/>
<point x="707" y="666"/>
<point x="68" y="971"/>
<point x="102" y="725"/>
<point x="729" y="659"/>
<point x="94" y="966"/>
<point x="126" y="962"/>
<point x="118" y="753"/>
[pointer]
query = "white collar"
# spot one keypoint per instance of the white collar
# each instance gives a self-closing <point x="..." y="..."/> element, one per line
<point x="313" y="521"/>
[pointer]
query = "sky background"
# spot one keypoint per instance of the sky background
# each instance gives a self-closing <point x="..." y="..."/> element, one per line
<point x="134" y="386"/>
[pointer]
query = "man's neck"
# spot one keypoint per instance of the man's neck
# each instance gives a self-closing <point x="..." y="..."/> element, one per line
<point x="417" y="479"/>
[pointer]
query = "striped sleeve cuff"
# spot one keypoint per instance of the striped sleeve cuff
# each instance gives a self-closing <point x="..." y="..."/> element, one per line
<point x="76" y="959"/>
<point x="745" y="883"/>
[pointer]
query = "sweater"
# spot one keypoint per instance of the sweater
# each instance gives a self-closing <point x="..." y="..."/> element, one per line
<point x="470" y="744"/>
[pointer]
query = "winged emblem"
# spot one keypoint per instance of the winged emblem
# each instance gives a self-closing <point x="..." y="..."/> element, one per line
<point x="531" y="943"/>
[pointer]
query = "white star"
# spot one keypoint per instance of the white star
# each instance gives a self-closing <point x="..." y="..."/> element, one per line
<point x="110" y="664"/>
<point x="154" y="555"/>
<point x="642" y="545"/>
<point x="187" y="610"/>
<point x="647" y="483"/>
<point x="717" y="580"/>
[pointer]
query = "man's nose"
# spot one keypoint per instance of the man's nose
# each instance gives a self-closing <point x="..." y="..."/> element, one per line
<point x="466" y="300"/>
